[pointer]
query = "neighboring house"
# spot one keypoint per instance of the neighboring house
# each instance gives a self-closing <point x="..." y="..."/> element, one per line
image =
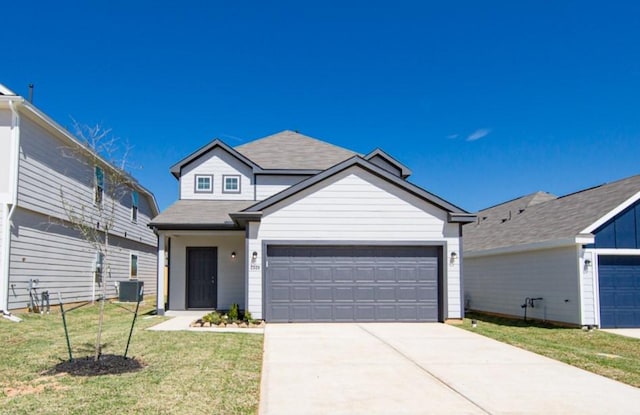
<point x="579" y="253"/>
<point x="38" y="248"/>
<point x="296" y="229"/>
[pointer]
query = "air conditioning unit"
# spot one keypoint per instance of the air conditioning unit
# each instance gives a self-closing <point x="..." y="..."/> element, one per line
<point x="130" y="291"/>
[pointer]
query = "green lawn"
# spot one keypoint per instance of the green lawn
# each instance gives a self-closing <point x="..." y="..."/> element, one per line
<point x="183" y="373"/>
<point x="606" y="354"/>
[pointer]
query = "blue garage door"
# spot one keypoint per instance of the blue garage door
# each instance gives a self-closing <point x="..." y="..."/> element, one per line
<point x="619" y="280"/>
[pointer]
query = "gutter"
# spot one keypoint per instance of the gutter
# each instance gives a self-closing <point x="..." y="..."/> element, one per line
<point x="8" y="212"/>
<point x="580" y="239"/>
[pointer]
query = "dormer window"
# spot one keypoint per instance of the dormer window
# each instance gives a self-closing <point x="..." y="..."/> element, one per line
<point x="231" y="184"/>
<point x="204" y="183"/>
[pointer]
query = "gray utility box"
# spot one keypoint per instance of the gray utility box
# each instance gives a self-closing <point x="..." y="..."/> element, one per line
<point x="130" y="290"/>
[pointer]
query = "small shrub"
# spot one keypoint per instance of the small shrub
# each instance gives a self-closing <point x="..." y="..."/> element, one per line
<point x="247" y="316"/>
<point x="213" y="318"/>
<point x="234" y="312"/>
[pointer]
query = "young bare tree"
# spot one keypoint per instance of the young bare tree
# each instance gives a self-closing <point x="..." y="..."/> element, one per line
<point x="94" y="218"/>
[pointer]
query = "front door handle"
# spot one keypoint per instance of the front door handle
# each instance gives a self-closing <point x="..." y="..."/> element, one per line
<point x="213" y="280"/>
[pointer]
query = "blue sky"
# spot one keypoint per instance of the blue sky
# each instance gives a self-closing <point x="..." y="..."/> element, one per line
<point x="484" y="101"/>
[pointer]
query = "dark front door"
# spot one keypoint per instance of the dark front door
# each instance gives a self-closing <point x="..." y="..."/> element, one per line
<point x="202" y="277"/>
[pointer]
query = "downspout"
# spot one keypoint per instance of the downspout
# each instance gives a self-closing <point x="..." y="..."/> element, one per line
<point x="8" y="213"/>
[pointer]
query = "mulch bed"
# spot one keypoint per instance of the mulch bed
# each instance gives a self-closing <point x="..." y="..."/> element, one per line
<point x="108" y="364"/>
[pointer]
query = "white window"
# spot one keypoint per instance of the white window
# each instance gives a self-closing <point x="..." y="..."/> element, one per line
<point x="203" y="183"/>
<point x="231" y="184"/>
<point x="133" y="266"/>
<point x="98" y="186"/>
<point x="134" y="206"/>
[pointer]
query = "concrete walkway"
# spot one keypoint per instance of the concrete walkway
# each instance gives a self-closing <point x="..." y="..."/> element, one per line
<point x="180" y="321"/>
<point x="635" y="333"/>
<point x="422" y="369"/>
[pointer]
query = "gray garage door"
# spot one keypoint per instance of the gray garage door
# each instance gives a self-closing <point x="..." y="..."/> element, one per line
<point x="352" y="283"/>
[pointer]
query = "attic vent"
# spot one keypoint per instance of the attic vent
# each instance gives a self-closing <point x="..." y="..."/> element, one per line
<point x="507" y="218"/>
<point x="520" y="211"/>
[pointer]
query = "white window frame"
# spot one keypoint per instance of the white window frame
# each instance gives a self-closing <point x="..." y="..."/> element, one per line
<point x="203" y="176"/>
<point x="224" y="183"/>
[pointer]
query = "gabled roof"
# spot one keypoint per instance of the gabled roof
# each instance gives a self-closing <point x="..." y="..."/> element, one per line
<point x="292" y="150"/>
<point x="6" y="91"/>
<point x="199" y="214"/>
<point x="404" y="170"/>
<point x="177" y="168"/>
<point x="456" y="214"/>
<point x="543" y="218"/>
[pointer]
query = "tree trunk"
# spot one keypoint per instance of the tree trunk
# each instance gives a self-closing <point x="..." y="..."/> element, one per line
<point x="98" y="350"/>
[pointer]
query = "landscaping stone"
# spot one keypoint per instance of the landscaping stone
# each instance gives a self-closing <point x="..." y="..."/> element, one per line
<point x="243" y="325"/>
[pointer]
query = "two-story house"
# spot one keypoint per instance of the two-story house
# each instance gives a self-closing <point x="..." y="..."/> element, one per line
<point x="39" y="249"/>
<point x="296" y="229"/>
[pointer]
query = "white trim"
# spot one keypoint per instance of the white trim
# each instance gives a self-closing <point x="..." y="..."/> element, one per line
<point x="9" y="209"/>
<point x="622" y="206"/>
<point x="554" y="243"/>
<point x="596" y="286"/>
<point x="160" y="276"/>
<point x="612" y="251"/>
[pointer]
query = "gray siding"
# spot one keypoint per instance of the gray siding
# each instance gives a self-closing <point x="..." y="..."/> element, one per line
<point x="63" y="262"/>
<point x="500" y="283"/>
<point x="42" y="248"/>
<point x="45" y="172"/>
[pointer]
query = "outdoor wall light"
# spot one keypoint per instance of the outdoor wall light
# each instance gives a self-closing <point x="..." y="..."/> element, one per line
<point x="233" y="255"/>
<point x="587" y="263"/>
<point x="453" y="257"/>
<point x="254" y="256"/>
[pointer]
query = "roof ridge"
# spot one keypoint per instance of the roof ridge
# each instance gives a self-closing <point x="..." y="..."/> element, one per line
<point x="606" y="184"/>
<point x="516" y="199"/>
<point x="296" y="132"/>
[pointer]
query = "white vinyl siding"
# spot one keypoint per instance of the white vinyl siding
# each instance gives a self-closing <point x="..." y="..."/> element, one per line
<point x="216" y="163"/>
<point x="357" y="206"/>
<point x="230" y="270"/>
<point x="589" y="288"/>
<point x="500" y="283"/>
<point x="63" y="262"/>
<point x="269" y="185"/>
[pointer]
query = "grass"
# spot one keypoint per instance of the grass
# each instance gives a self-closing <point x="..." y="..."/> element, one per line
<point x="183" y="373"/>
<point x="606" y="354"/>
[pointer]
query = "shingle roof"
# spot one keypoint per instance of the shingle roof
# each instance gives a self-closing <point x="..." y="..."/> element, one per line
<point x="200" y="214"/>
<point x="292" y="150"/>
<point x="541" y="217"/>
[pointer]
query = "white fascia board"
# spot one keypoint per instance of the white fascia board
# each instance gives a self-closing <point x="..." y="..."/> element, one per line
<point x="614" y="251"/>
<point x="622" y="206"/>
<point x="554" y="243"/>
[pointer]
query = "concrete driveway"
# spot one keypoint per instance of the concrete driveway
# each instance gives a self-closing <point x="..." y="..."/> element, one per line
<point x="422" y="369"/>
